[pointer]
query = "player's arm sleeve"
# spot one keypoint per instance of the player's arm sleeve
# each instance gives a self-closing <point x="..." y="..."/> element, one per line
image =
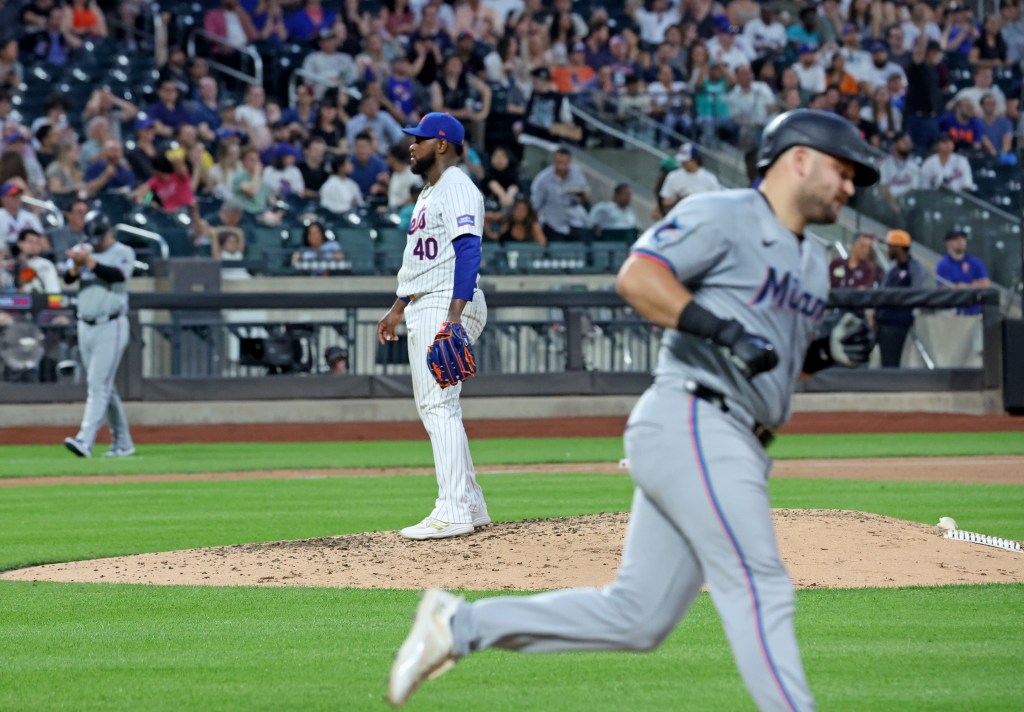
<point x="463" y="211"/>
<point x="108" y="273"/>
<point x="467" y="266"/>
<point x="685" y="242"/>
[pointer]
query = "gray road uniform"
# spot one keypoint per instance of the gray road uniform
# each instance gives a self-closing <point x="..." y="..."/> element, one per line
<point x="102" y="340"/>
<point x="701" y="510"/>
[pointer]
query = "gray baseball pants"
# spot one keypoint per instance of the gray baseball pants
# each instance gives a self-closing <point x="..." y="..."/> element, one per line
<point x="101" y="347"/>
<point x="701" y="513"/>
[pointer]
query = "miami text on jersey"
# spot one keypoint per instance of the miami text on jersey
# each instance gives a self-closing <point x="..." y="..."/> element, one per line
<point x="785" y="292"/>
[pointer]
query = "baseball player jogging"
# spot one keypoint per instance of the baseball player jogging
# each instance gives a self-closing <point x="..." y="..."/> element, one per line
<point x="740" y="289"/>
<point x="103" y="266"/>
<point x="444" y="313"/>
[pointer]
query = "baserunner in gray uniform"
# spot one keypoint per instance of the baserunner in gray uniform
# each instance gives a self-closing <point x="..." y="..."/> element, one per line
<point x="103" y="266"/>
<point x="740" y="289"/>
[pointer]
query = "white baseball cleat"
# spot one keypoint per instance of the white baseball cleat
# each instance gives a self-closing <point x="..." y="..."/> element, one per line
<point x="433" y="528"/>
<point x="78" y="447"/>
<point x="428" y="651"/>
<point x="120" y="452"/>
<point x="480" y="516"/>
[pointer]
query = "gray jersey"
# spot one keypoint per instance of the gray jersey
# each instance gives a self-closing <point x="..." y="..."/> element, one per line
<point x="741" y="263"/>
<point x="98" y="298"/>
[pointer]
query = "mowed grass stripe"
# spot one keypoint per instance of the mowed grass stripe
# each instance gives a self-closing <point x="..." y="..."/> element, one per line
<point x="44" y="460"/>
<point x="91" y="647"/>
<point x="50" y="524"/>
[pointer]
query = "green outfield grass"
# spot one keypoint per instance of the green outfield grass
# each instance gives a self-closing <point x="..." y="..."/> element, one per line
<point x="33" y="460"/>
<point x="120" y="647"/>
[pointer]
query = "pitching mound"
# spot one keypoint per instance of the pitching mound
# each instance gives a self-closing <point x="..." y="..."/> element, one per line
<point x="822" y="548"/>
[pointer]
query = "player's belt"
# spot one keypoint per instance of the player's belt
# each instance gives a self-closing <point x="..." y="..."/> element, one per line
<point x="763" y="434"/>
<point x="101" y="319"/>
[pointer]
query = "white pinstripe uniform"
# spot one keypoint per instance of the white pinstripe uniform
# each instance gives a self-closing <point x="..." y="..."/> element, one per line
<point x="453" y="206"/>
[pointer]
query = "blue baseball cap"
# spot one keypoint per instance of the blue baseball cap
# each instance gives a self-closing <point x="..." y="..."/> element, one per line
<point x="438" y="125"/>
<point x="144" y="122"/>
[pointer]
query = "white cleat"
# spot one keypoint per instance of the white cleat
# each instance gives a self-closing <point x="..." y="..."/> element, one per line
<point x="480" y="517"/>
<point x="433" y="528"/>
<point x="120" y="452"/>
<point x="428" y="652"/>
<point x="78" y="447"/>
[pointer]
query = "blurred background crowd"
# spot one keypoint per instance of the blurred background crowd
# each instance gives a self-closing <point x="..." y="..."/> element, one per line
<point x="233" y="125"/>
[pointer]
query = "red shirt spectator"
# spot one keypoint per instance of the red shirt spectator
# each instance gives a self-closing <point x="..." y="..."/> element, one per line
<point x="171" y="183"/>
<point x="856" y="271"/>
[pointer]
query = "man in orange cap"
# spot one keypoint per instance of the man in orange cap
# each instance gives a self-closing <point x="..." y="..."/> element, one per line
<point x="894" y="323"/>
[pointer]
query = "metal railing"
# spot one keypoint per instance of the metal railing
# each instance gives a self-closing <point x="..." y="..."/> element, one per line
<point x="244" y="50"/>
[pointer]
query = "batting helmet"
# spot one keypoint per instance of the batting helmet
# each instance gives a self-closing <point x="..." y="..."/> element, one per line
<point x="822" y="131"/>
<point x="96" y="227"/>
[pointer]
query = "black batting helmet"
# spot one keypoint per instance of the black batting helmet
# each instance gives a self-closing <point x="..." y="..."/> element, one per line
<point x="822" y="131"/>
<point x="96" y="227"/>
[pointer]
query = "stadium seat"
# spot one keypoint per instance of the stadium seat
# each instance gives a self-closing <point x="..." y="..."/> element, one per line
<point x="627" y="235"/>
<point x="607" y="256"/>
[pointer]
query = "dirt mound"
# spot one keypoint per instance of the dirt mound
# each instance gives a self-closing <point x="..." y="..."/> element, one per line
<point x="822" y="549"/>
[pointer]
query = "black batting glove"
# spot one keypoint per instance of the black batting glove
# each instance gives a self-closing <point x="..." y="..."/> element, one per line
<point x="750" y="353"/>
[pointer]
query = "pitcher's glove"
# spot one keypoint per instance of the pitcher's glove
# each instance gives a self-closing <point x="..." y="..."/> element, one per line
<point x="450" y="356"/>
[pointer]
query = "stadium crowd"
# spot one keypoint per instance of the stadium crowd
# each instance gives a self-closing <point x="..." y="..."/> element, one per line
<point x="88" y="117"/>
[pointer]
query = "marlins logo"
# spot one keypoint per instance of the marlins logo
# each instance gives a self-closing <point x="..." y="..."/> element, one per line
<point x="670" y="233"/>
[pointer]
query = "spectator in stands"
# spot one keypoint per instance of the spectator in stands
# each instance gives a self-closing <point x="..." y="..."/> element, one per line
<point x="32" y="271"/>
<point x="56" y="42"/>
<point x="959" y="30"/>
<point x="228" y="245"/>
<point x="327" y="67"/>
<point x="170" y="185"/>
<point x="140" y="157"/>
<point x="809" y="70"/>
<point x="222" y="174"/>
<point x="301" y="115"/>
<point x="248" y="187"/>
<point x="330" y="127"/>
<point x="982" y="86"/>
<point x="64" y="174"/>
<point x="960" y="270"/>
<point x="47" y="139"/>
<point x="947" y="168"/>
<point x="206" y="109"/>
<point x="359" y="24"/>
<point x="765" y="34"/>
<point x="232" y="24"/>
<point x="313" y="166"/>
<point x="103" y="104"/>
<point x="990" y="49"/>
<point x="850" y="109"/>
<point x="560" y="194"/>
<point x="726" y="46"/>
<point x="882" y="67"/>
<point x="597" y="55"/>
<point x="70" y="234"/>
<point x="1012" y="29"/>
<point x="614" y="214"/>
<point x="548" y="113"/>
<point x="55" y="108"/>
<point x="570" y="78"/>
<point x="385" y="128"/>
<point x="964" y="127"/>
<point x="881" y="112"/>
<point x="369" y="170"/>
<point x="900" y="170"/>
<point x="340" y="193"/>
<point x="282" y="176"/>
<point x="751" y="105"/>
<point x="519" y="224"/>
<point x="311" y="19"/>
<point x="403" y="91"/>
<point x="837" y="76"/>
<point x="230" y="216"/>
<point x="402" y="180"/>
<point x="655" y="20"/>
<point x="399" y="18"/>
<point x="461" y="94"/>
<point x="857" y="270"/>
<point x="176" y="70"/>
<point x="690" y="178"/>
<point x="899" y="51"/>
<point x="252" y="115"/>
<point x="109" y="173"/>
<point x="268" y="20"/>
<point x="35" y="14"/>
<point x="18" y="142"/>
<point x="14" y="217"/>
<point x="11" y="71"/>
<point x="894" y="323"/>
<point x="564" y="7"/>
<point x="316" y="248"/>
<point x="998" y="130"/>
<point x="711" y="110"/>
<point x="805" y="32"/>
<point x="923" y="100"/>
<point x="670" y="104"/>
<point x="428" y="46"/>
<point x="168" y="113"/>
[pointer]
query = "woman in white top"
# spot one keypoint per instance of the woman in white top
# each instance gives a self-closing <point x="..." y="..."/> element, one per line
<point x="339" y="193"/>
<point x="946" y="168"/>
<point x="282" y="176"/>
<point x="223" y="172"/>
